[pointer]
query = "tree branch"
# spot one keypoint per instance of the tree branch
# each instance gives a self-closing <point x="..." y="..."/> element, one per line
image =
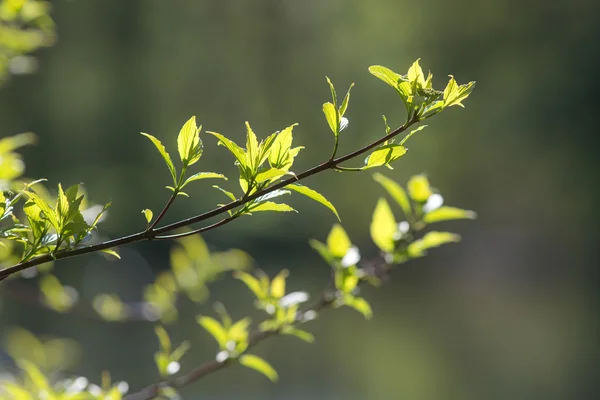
<point x="152" y="234"/>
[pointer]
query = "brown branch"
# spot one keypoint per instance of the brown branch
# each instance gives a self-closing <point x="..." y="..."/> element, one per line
<point x="150" y="392"/>
<point x="152" y="234"/>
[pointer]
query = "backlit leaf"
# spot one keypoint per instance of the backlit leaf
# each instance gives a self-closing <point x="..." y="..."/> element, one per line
<point x="203" y="175"/>
<point x="360" y="305"/>
<point x="165" y="155"/>
<point x="252" y="283"/>
<point x="383" y="226"/>
<point x="419" y="189"/>
<point x="313" y="194"/>
<point x="299" y="333"/>
<point x="270" y="206"/>
<point x="386" y="75"/>
<point x="260" y="365"/>
<point x="278" y="284"/>
<point x="419" y="247"/>
<point x="237" y="151"/>
<point x="215" y="328"/>
<point x="448" y="213"/>
<point x="111" y="252"/>
<point x="384" y="155"/>
<point x="332" y="117"/>
<point x="396" y="191"/>
<point x="189" y="144"/>
<point x="147" y="214"/>
<point x="338" y="242"/>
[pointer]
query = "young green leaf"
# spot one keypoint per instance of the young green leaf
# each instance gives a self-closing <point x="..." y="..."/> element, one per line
<point x="448" y="213"/>
<point x="338" y="242"/>
<point x="227" y="193"/>
<point x="269" y="175"/>
<point x="419" y="247"/>
<point x="384" y="155"/>
<point x="383" y="226"/>
<point x="260" y="365"/>
<point x="386" y="75"/>
<point x="163" y="338"/>
<point x="454" y="94"/>
<point x="396" y="191"/>
<point x="412" y="133"/>
<point x="323" y="250"/>
<point x="215" y="328"/>
<point x="344" y="105"/>
<point x="111" y="252"/>
<point x="278" y="284"/>
<point x="331" y="115"/>
<point x="252" y="283"/>
<point x="360" y="305"/>
<point x="163" y="152"/>
<point x="419" y="189"/>
<point x="299" y="333"/>
<point x="270" y="206"/>
<point x="202" y="175"/>
<point x="189" y="144"/>
<point x="252" y="148"/>
<point x="147" y="214"/>
<point x="313" y="194"/>
<point x="237" y="151"/>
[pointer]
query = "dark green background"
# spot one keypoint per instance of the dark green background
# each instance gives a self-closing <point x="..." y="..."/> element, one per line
<point x="509" y="313"/>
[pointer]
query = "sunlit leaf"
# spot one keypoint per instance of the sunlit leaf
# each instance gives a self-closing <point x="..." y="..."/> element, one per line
<point x="415" y="74"/>
<point x="419" y="189"/>
<point x="384" y="155"/>
<point x="163" y="338"/>
<point x="412" y="133"/>
<point x="396" y="191"/>
<point x="215" y="328"/>
<point x="448" y="213"/>
<point x="260" y="365"/>
<point x="252" y="283"/>
<point x="35" y="376"/>
<point x="386" y="75"/>
<point x="278" y="284"/>
<point x="111" y="252"/>
<point x="271" y="206"/>
<point x="189" y="144"/>
<point x="360" y="305"/>
<point x="227" y="193"/>
<point x="252" y="149"/>
<point x="338" y="242"/>
<point x="331" y="115"/>
<point x="454" y="94"/>
<point x="313" y="194"/>
<point x="269" y="174"/>
<point x="203" y="175"/>
<point x="299" y="333"/>
<point x="147" y="214"/>
<point x="344" y="105"/>
<point x="322" y="249"/>
<point x="165" y="155"/>
<point x="237" y="151"/>
<point x="383" y="226"/>
<point x="431" y="239"/>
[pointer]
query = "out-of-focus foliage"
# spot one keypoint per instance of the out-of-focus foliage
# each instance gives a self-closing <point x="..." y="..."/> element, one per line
<point x="25" y="26"/>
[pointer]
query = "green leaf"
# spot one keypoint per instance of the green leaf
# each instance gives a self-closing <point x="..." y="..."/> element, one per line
<point x="227" y="193"/>
<point x="203" y="175"/>
<point x="333" y="93"/>
<point x="163" y="338"/>
<point x="384" y="155"/>
<point x="360" y="305"/>
<point x="270" y="206"/>
<point x="419" y="189"/>
<point x="252" y="283"/>
<point x="322" y="249"/>
<point x="270" y="174"/>
<point x="419" y="247"/>
<point x="448" y="213"/>
<point x="260" y="365"/>
<point x="111" y="252"/>
<point x="189" y="144"/>
<point x="280" y="156"/>
<point x="344" y="105"/>
<point x="37" y="379"/>
<point x="331" y="115"/>
<point x="338" y="242"/>
<point x="237" y="151"/>
<point x="48" y="212"/>
<point x="386" y="75"/>
<point x="415" y="74"/>
<point x="215" y="328"/>
<point x="455" y="94"/>
<point x="147" y="214"/>
<point x="383" y="226"/>
<point x="313" y="194"/>
<point x="180" y="351"/>
<point x="396" y="191"/>
<point x="165" y="155"/>
<point x="299" y="333"/>
<point x="412" y="133"/>
<point x="278" y="284"/>
<point x="252" y="149"/>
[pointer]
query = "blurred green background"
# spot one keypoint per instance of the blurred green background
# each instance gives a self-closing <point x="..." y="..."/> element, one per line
<point x="510" y="313"/>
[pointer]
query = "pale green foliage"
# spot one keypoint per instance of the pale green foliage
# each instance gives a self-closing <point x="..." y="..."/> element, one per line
<point x="48" y="225"/>
<point x="25" y="26"/>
